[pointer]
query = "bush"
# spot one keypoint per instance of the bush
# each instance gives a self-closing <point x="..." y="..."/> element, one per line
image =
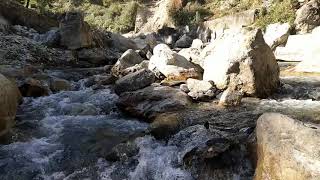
<point x="280" y="11"/>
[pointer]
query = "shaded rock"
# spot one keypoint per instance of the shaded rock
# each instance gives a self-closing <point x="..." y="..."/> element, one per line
<point x="192" y="55"/>
<point x="134" y="81"/>
<point x="122" y="43"/>
<point x="50" y="38"/>
<point x="308" y="17"/>
<point x="34" y="88"/>
<point x="153" y="100"/>
<point x="104" y="79"/>
<point x="184" y="42"/>
<point x="287" y="148"/>
<point x="171" y="64"/>
<point x="135" y="68"/>
<point x="15" y="13"/>
<point x="277" y="34"/>
<point x="165" y="125"/>
<point x="9" y="100"/>
<point x="57" y="85"/>
<point x="75" y="33"/>
<point x="4" y="25"/>
<point x="95" y="56"/>
<point x="128" y="59"/>
<point x="184" y="88"/>
<point x="249" y="58"/>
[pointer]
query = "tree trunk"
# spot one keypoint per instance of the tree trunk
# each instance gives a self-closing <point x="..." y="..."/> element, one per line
<point x="27" y="5"/>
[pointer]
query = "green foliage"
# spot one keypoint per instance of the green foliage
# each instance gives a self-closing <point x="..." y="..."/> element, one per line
<point x="280" y="11"/>
<point x="192" y="14"/>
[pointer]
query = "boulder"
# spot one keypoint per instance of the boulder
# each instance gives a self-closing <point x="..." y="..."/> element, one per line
<point x="50" y="38"/>
<point x="287" y="148"/>
<point x="135" y="68"/>
<point x="201" y="90"/>
<point x="4" y="24"/>
<point x="153" y="100"/>
<point x="75" y="32"/>
<point x="34" y="88"/>
<point x="192" y="55"/>
<point x="15" y="13"/>
<point x="57" y="84"/>
<point x="277" y="34"/>
<point x="96" y="56"/>
<point x="230" y="97"/>
<point x="308" y="17"/>
<point x="128" y="59"/>
<point x="249" y="59"/>
<point x="172" y="65"/>
<point x="134" y="81"/>
<point x="183" y="42"/>
<point x="122" y="43"/>
<point x="197" y="44"/>
<point x="9" y="99"/>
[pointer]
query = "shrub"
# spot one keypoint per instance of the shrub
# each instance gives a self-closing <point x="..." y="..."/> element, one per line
<point x="280" y="11"/>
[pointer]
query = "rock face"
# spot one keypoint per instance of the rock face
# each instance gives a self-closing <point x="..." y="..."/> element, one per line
<point x="135" y="81"/>
<point x="308" y="17"/>
<point x="184" y="42"/>
<point x="18" y="14"/>
<point x="75" y="33"/>
<point x="287" y="148"/>
<point x="153" y="100"/>
<point x="246" y="57"/>
<point x="277" y="34"/>
<point x="9" y="99"/>
<point x="171" y="64"/>
<point x="128" y="59"/>
<point x="310" y="60"/>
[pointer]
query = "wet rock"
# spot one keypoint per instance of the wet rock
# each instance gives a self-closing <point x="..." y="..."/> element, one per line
<point x="50" y="38"/>
<point x="57" y="85"/>
<point x="165" y="125"/>
<point x="249" y="58"/>
<point x="104" y="79"/>
<point x="4" y="25"/>
<point x="75" y="33"/>
<point x="153" y="100"/>
<point x="184" y="42"/>
<point x="122" y="151"/>
<point x="128" y="59"/>
<point x="171" y="64"/>
<point x="9" y="99"/>
<point x="307" y="17"/>
<point x="134" y="81"/>
<point x="34" y="88"/>
<point x="277" y="34"/>
<point x="287" y="148"/>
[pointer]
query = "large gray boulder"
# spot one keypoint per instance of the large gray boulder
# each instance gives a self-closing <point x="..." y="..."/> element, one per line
<point x="153" y="100"/>
<point x="172" y="65"/>
<point x="134" y="81"/>
<point x="192" y="55"/>
<point x="9" y="99"/>
<point x="75" y="32"/>
<point x="128" y="59"/>
<point x="246" y="57"/>
<point x="287" y="148"/>
<point x="277" y="34"/>
<point x="184" y="42"/>
<point x="308" y="17"/>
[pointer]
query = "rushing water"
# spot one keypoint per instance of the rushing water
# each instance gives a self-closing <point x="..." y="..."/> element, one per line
<point x="68" y="135"/>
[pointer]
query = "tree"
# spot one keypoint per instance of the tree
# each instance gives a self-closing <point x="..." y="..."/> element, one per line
<point x="28" y="2"/>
